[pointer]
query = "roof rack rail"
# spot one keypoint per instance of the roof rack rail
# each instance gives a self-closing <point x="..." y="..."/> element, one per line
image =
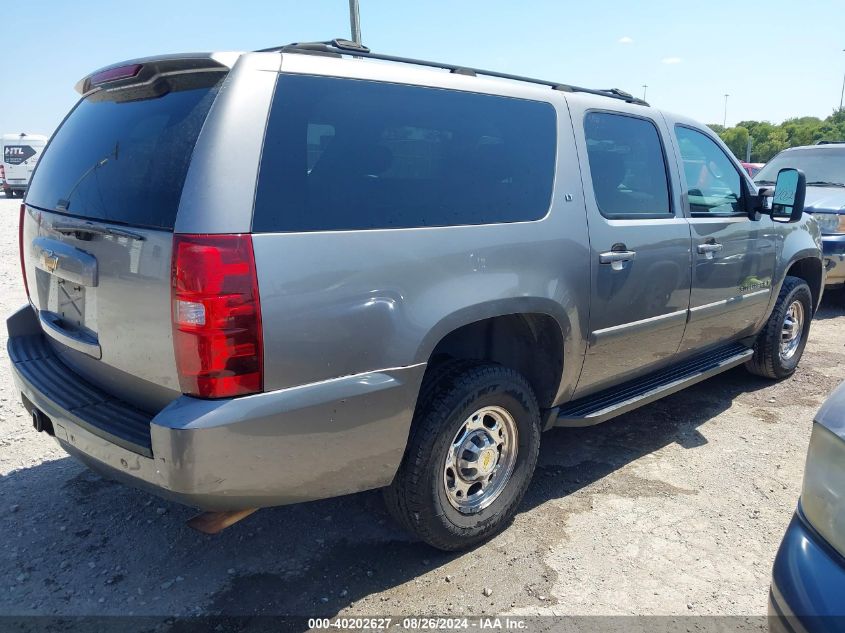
<point x="828" y="142"/>
<point x="339" y="47"/>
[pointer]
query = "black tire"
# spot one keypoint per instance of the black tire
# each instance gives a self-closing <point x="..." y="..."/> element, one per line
<point x="417" y="498"/>
<point x="767" y="360"/>
<point x="9" y="193"/>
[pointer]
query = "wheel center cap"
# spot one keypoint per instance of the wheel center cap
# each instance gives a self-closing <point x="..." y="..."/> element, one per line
<point x="487" y="461"/>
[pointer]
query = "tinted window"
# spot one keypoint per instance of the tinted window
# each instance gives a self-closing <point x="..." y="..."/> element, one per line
<point x="123" y="161"/>
<point x="713" y="183"/>
<point x="343" y="154"/>
<point x="627" y="166"/>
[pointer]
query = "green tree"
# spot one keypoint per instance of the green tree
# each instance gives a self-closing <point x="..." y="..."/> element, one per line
<point x="768" y="139"/>
<point x="803" y="131"/>
<point x="776" y="141"/>
<point x="736" y="138"/>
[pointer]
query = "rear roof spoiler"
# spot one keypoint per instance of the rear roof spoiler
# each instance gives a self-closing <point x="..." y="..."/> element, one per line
<point x="147" y="70"/>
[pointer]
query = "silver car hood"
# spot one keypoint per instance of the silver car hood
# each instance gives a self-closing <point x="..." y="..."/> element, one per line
<point x="825" y="199"/>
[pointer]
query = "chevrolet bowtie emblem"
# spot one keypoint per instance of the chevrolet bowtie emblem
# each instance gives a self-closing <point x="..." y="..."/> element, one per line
<point x="50" y="261"/>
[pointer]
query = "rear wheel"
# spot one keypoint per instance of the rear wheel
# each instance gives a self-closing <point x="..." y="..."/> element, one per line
<point x="780" y="345"/>
<point x="472" y="451"/>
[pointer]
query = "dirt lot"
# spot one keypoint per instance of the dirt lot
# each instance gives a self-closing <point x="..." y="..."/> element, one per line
<point x="677" y="508"/>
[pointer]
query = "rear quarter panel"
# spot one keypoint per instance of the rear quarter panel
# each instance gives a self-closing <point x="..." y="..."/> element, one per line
<point x="220" y="185"/>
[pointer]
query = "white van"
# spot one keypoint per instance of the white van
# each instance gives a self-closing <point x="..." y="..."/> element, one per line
<point x="20" y="154"/>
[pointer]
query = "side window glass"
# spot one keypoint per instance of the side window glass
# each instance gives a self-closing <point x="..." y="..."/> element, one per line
<point x="713" y="183"/>
<point x="627" y="165"/>
<point x="350" y="154"/>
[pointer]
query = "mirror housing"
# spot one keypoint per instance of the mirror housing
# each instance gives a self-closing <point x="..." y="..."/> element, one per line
<point x="754" y="204"/>
<point x="789" y="194"/>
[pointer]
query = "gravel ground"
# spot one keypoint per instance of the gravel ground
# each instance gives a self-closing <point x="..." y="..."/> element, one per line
<point x="674" y="509"/>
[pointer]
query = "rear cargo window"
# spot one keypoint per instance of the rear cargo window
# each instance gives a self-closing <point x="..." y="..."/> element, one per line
<point x="123" y="161"/>
<point x="346" y="154"/>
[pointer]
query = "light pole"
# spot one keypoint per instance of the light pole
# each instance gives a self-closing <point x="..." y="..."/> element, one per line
<point x="355" y="21"/>
<point x="725" y="119"/>
<point x="645" y="89"/>
<point x="842" y="94"/>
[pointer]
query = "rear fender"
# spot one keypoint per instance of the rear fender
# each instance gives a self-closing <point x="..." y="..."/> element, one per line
<point x="573" y="342"/>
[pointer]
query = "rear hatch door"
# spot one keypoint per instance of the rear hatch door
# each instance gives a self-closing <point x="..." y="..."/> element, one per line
<point x="97" y="231"/>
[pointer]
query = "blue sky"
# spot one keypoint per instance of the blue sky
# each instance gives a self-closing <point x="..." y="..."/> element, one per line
<point x="777" y="59"/>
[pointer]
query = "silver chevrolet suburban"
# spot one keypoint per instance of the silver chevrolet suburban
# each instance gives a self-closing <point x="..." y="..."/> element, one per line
<point x="262" y="278"/>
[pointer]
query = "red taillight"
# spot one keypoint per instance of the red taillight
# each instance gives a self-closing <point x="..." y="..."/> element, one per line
<point x="21" y="250"/>
<point x="216" y="316"/>
<point x="2" y="174"/>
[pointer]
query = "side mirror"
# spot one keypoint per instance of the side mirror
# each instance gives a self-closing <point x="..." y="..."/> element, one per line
<point x="788" y="199"/>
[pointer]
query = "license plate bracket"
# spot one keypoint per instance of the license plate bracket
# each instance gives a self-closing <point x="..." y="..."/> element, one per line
<point x="70" y="301"/>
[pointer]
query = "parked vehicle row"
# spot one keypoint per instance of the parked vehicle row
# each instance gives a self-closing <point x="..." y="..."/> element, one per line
<point x="404" y="278"/>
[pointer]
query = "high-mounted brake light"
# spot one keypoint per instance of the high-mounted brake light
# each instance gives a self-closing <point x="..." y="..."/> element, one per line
<point x="20" y="248"/>
<point x="113" y="74"/>
<point x="217" y="334"/>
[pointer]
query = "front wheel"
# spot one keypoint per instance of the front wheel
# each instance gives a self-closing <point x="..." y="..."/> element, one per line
<point x="780" y="345"/>
<point x="473" y="448"/>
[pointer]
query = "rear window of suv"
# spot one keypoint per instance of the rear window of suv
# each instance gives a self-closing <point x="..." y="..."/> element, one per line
<point x="124" y="161"/>
<point x="347" y="154"/>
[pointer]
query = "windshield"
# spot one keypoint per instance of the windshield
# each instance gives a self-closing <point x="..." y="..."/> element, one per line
<point x="822" y="165"/>
<point x="123" y="161"/>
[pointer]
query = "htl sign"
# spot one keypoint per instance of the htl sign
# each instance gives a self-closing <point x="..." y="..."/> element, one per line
<point x="17" y="154"/>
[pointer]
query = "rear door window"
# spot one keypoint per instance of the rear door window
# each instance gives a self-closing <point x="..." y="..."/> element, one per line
<point x="124" y="161"/>
<point x="627" y="166"/>
<point x="347" y="154"/>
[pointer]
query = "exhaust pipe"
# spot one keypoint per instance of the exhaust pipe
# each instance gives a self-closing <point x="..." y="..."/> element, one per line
<point x="41" y="422"/>
<point x="216" y="522"/>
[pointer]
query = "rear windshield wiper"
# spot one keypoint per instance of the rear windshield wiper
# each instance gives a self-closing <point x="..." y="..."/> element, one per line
<point x="825" y="183"/>
<point x="67" y="228"/>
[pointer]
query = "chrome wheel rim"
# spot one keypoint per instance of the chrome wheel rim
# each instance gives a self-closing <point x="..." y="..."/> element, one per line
<point x="480" y="459"/>
<point x="793" y="328"/>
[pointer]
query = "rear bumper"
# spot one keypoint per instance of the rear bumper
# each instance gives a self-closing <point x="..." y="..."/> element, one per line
<point x="299" y="444"/>
<point x="834" y="260"/>
<point x="808" y="583"/>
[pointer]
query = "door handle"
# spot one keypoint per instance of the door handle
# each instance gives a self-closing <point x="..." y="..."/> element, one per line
<point x="709" y="248"/>
<point x="617" y="259"/>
